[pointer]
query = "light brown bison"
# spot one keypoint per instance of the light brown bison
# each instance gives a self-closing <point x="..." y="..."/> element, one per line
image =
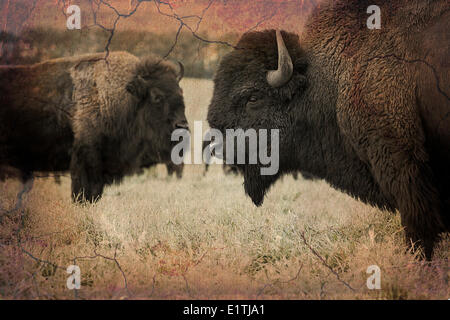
<point x="366" y="110"/>
<point x="100" y="119"/>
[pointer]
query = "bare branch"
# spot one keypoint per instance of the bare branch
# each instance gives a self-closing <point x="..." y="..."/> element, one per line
<point x="302" y="235"/>
<point x="278" y="281"/>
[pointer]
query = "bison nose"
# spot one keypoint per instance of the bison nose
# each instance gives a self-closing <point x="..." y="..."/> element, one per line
<point x="182" y="125"/>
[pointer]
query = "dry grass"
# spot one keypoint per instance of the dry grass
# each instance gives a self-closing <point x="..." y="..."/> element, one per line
<point x="200" y="237"/>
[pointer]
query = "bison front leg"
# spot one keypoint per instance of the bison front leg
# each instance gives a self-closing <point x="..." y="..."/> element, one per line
<point x="86" y="174"/>
<point x="179" y="171"/>
<point x="385" y="130"/>
<point x="409" y="182"/>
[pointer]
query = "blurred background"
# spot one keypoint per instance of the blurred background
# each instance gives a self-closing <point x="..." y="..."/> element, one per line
<point x="197" y="33"/>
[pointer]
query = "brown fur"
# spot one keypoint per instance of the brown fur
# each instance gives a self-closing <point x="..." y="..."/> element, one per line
<point x="366" y="110"/>
<point x="100" y="120"/>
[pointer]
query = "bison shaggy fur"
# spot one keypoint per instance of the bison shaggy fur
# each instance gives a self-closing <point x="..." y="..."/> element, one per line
<point x="100" y="119"/>
<point x="366" y="110"/>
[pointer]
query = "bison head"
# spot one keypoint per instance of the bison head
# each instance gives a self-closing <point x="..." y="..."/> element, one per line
<point x="160" y="107"/>
<point x="255" y="87"/>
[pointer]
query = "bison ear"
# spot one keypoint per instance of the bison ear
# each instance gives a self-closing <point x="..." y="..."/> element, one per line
<point x="137" y="87"/>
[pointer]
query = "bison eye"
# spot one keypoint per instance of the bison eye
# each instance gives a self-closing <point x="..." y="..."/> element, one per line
<point x="156" y="96"/>
<point x="157" y="99"/>
<point x="251" y="101"/>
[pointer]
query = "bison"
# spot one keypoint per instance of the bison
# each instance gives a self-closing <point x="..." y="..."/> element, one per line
<point x="99" y="118"/>
<point x="366" y="110"/>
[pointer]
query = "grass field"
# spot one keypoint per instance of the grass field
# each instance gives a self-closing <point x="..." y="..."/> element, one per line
<point x="201" y="237"/>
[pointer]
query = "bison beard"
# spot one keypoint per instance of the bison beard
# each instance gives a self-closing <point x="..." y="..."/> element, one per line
<point x="255" y="184"/>
<point x="365" y="110"/>
<point x="100" y="120"/>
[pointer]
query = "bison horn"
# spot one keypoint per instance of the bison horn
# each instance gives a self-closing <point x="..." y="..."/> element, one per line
<point x="279" y="77"/>
<point x="181" y="72"/>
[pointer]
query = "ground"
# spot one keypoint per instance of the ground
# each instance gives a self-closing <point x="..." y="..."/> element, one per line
<point x="154" y="237"/>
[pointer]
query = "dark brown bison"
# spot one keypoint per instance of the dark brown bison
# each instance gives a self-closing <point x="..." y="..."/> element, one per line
<point x="366" y="110"/>
<point x="100" y="119"/>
